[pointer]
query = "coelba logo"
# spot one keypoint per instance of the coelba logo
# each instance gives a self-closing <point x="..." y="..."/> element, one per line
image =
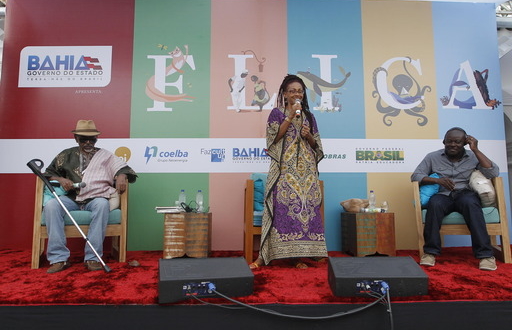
<point x="166" y="155"/>
<point x="70" y="66"/>
<point x="216" y="155"/>
<point x="383" y="155"/>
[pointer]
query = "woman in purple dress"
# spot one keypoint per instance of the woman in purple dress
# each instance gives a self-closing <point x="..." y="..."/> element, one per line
<point x="292" y="225"/>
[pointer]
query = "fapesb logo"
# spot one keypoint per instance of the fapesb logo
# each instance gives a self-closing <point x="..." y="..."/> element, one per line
<point x="69" y="66"/>
<point x="165" y="156"/>
<point x="381" y="155"/>
<point x="124" y="153"/>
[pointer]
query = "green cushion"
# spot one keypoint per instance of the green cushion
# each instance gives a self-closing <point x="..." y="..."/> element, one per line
<point x="260" y="179"/>
<point x="48" y="195"/>
<point x="259" y="192"/>
<point x="257" y="218"/>
<point x="84" y="218"/>
<point x="491" y="215"/>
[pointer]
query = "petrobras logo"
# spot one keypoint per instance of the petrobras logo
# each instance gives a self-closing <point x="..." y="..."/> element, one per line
<point x="216" y="155"/>
<point x="382" y="155"/>
<point x="165" y="156"/>
<point x="65" y="66"/>
<point x="335" y="156"/>
<point x="250" y="155"/>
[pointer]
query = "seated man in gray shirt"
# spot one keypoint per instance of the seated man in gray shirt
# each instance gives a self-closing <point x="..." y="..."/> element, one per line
<point x="454" y="165"/>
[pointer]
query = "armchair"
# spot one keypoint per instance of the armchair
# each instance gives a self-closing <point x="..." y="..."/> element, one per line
<point x="116" y="228"/>
<point x="453" y="223"/>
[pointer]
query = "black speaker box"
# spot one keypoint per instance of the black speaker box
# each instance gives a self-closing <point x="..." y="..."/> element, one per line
<point x="403" y="275"/>
<point x="180" y="278"/>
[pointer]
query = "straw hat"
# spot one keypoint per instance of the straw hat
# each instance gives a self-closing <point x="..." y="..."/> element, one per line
<point x="86" y="128"/>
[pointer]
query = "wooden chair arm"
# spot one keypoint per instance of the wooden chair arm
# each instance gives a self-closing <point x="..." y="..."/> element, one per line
<point x="249" y="204"/>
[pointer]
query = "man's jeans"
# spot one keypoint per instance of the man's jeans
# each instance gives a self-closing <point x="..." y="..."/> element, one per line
<point x="467" y="203"/>
<point x="54" y="217"/>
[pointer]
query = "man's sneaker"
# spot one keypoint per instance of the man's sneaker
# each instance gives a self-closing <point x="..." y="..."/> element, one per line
<point x="428" y="260"/>
<point x="488" y="264"/>
<point x="58" y="266"/>
<point x="93" y="265"/>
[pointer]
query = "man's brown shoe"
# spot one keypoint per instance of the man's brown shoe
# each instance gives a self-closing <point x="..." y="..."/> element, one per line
<point x="58" y="266"/>
<point x="93" y="265"/>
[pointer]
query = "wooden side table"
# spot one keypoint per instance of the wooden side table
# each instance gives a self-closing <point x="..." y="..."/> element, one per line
<point x="187" y="234"/>
<point x="368" y="233"/>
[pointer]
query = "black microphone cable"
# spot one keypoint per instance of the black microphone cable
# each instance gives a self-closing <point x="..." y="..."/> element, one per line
<point x="382" y="296"/>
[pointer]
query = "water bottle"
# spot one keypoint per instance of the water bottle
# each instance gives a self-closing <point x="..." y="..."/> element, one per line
<point x="371" y="201"/>
<point x="199" y="201"/>
<point x="182" y="198"/>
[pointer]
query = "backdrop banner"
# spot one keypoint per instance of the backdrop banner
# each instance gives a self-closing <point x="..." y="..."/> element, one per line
<point x="182" y="90"/>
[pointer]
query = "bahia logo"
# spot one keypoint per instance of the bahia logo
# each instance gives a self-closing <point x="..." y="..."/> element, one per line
<point x="68" y="63"/>
<point x="393" y="155"/>
<point x="217" y="155"/>
<point x="70" y="66"/>
<point x="165" y="156"/>
<point x="250" y="155"/>
<point x="249" y="152"/>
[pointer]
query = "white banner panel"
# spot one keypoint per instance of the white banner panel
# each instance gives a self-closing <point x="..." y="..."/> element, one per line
<point x="239" y="155"/>
<point x="65" y="66"/>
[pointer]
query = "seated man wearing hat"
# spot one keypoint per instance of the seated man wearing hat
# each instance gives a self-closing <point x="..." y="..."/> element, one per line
<point x="103" y="174"/>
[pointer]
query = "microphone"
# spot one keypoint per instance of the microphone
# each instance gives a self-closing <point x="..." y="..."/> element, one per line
<point x="297" y="112"/>
<point x="79" y="185"/>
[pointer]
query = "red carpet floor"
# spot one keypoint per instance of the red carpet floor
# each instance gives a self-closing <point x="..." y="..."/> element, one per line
<point x="455" y="277"/>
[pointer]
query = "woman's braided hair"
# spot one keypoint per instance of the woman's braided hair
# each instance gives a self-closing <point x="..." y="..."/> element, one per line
<point x="281" y="101"/>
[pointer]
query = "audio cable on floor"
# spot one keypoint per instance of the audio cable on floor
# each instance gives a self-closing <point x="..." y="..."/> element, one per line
<point x="381" y="294"/>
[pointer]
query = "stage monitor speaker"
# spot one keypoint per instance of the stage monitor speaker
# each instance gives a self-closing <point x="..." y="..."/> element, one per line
<point x="181" y="278"/>
<point x="403" y="275"/>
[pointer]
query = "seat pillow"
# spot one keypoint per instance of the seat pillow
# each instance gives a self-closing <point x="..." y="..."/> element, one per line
<point x="428" y="190"/>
